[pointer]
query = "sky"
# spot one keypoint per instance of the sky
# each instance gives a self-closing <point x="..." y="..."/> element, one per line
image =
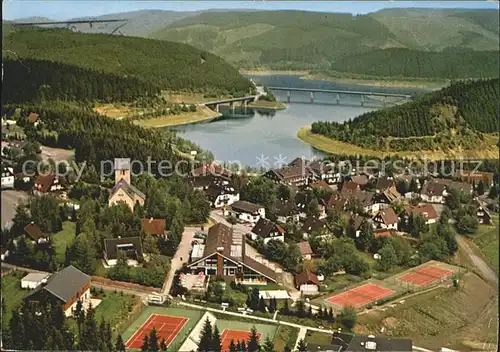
<point x="63" y="9"/>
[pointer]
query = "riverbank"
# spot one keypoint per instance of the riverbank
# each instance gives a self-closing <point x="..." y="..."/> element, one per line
<point x="264" y="104"/>
<point x="380" y="82"/>
<point x="202" y="114"/>
<point x="264" y="72"/>
<point x="328" y="145"/>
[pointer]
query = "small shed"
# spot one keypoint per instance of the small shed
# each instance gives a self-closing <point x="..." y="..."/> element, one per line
<point x="307" y="283"/>
<point x="33" y="280"/>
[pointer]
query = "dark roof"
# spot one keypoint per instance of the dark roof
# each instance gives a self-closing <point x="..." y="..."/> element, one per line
<point x="360" y="179"/>
<point x="306" y="277"/>
<point x="111" y="246"/>
<point x="462" y="186"/>
<point x="426" y="210"/>
<point x="204" y="181"/>
<point x="365" y="197"/>
<point x="313" y="224"/>
<point x="321" y="185"/>
<point x="321" y="167"/>
<point x="382" y="344"/>
<point x="357" y="221"/>
<point x="350" y="185"/>
<point x="153" y="226"/>
<point x="33" y="117"/>
<point x="305" y="248"/>
<point x="259" y="267"/>
<point x="388" y="216"/>
<point x="247" y="207"/>
<point x="219" y="236"/>
<point x="45" y="181"/>
<point x="129" y="189"/>
<point x="211" y="169"/>
<point x="384" y="183"/>
<point x="432" y="188"/>
<point x="264" y="227"/>
<point x="285" y="208"/>
<point x="66" y="283"/>
<point x="34" y="231"/>
<point x="213" y="191"/>
<point x="297" y="168"/>
<point x="336" y="201"/>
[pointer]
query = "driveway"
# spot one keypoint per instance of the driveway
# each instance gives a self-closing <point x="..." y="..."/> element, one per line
<point x="486" y="272"/>
<point x="10" y="199"/>
<point x="180" y="257"/>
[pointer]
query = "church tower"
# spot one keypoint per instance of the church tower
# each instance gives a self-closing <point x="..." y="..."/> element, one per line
<point x="122" y="170"/>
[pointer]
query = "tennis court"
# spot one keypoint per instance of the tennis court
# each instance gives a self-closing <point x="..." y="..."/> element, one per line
<point x="360" y="295"/>
<point x="167" y="327"/>
<point x="426" y="275"/>
<point x="235" y="335"/>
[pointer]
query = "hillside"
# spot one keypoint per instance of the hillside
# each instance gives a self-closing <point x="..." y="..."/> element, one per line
<point x="311" y="40"/>
<point x="400" y="62"/>
<point x="455" y="116"/>
<point x="158" y="64"/>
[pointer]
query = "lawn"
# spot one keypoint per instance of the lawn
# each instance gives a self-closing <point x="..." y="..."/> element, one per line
<point x="487" y="239"/>
<point x="202" y="114"/>
<point x="286" y="336"/>
<point x="319" y="338"/>
<point x="12" y="293"/>
<point x="115" y="307"/>
<point x="193" y="315"/>
<point x="63" y="239"/>
<point x="462" y="318"/>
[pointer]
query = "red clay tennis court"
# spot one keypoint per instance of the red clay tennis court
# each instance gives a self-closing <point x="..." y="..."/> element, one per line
<point x="426" y="275"/>
<point x="236" y="335"/>
<point x="360" y="295"/>
<point x="167" y="327"/>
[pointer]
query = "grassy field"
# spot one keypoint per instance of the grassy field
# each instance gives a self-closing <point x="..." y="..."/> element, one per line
<point x="193" y="315"/>
<point x="317" y="337"/>
<point x="115" y="307"/>
<point x="264" y="104"/>
<point x="202" y="114"/>
<point x="62" y="239"/>
<point x="285" y="336"/>
<point x="486" y="238"/>
<point x="463" y="318"/>
<point x="13" y="294"/>
<point x="333" y="146"/>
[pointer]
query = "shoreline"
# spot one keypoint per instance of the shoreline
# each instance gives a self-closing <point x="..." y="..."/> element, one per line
<point x="332" y="146"/>
<point x="376" y="82"/>
<point x="183" y="120"/>
<point x="275" y="106"/>
<point x="394" y="83"/>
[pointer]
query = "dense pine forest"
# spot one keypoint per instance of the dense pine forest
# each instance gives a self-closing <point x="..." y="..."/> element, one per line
<point x="463" y="108"/>
<point x="32" y="80"/>
<point x="157" y="64"/>
<point x="400" y="62"/>
<point x="93" y="137"/>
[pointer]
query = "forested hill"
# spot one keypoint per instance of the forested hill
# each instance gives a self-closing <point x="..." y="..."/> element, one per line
<point x="314" y="40"/>
<point x="461" y="109"/>
<point x="159" y="64"/>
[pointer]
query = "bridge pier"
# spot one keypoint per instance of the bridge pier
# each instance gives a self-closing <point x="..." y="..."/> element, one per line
<point x="231" y="105"/>
<point x="288" y="96"/>
<point x="217" y="107"/>
<point x="362" y="100"/>
<point x="312" y="97"/>
<point x="338" y="98"/>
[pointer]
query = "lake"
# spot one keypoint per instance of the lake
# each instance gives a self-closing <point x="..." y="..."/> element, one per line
<point x="265" y="138"/>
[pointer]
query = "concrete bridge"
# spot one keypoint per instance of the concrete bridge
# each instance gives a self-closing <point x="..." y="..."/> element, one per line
<point x="338" y="93"/>
<point x="214" y="105"/>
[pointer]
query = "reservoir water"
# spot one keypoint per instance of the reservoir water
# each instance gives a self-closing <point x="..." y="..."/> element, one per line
<point x="266" y="138"/>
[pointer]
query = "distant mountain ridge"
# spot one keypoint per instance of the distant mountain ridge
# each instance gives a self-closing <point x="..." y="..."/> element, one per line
<point x="301" y="40"/>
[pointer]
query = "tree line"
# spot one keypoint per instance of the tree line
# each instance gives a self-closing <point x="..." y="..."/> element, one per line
<point x="156" y="63"/>
<point x="464" y="106"/>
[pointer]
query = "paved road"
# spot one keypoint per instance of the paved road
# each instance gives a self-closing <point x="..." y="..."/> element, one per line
<point x="486" y="272"/>
<point x="10" y="199"/>
<point x="180" y="257"/>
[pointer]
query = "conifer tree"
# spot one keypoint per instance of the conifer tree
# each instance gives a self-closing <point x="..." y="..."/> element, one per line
<point x="163" y="345"/>
<point x="216" y="341"/>
<point x="253" y="341"/>
<point x="233" y="346"/>
<point x="119" y="345"/>
<point x="153" y="341"/>
<point x="145" y="343"/>
<point x="206" y="337"/>
<point x="268" y="345"/>
<point x="302" y="346"/>
<point x="244" y="347"/>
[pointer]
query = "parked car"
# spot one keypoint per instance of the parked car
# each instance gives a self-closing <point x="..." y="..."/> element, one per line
<point x="200" y="235"/>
